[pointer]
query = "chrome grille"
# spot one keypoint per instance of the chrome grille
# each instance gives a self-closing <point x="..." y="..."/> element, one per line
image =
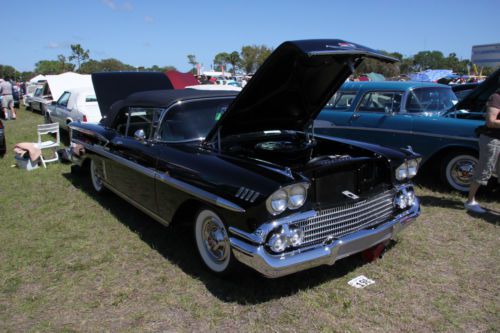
<point x="342" y="220"/>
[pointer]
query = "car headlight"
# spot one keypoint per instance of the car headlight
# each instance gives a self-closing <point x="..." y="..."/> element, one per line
<point x="413" y="167"/>
<point x="278" y="242"/>
<point x="285" y="237"/>
<point x="408" y="169"/>
<point x="404" y="198"/>
<point x="291" y="197"/>
<point x="277" y="202"/>
<point x="296" y="196"/>
<point x="402" y="172"/>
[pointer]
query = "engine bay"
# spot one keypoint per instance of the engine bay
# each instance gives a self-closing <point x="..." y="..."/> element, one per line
<point x="297" y="151"/>
<point x="333" y="167"/>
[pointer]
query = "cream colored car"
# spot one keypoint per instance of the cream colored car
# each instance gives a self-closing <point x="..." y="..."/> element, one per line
<point x="77" y="104"/>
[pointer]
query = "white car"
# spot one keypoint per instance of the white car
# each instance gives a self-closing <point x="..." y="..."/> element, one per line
<point x="40" y="100"/>
<point x="30" y="91"/>
<point x="77" y="104"/>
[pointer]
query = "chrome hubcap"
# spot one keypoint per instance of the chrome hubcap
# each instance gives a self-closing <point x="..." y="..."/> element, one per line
<point x="462" y="171"/>
<point x="95" y="178"/>
<point x="215" y="239"/>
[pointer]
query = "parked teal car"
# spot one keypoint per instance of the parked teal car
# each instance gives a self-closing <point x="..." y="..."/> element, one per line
<point x="423" y="117"/>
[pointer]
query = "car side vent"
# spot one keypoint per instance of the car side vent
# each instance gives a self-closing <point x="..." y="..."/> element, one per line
<point x="247" y="194"/>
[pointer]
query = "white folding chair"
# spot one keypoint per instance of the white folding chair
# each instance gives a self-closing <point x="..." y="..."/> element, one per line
<point x="48" y="129"/>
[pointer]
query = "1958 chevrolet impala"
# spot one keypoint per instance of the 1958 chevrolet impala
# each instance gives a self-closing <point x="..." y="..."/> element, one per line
<point x="261" y="187"/>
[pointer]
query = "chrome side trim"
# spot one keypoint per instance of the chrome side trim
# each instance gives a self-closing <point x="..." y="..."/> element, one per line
<point x="137" y="205"/>
<point x="137" y="167"/>
<point x="259" y="235"/>
<point x="403" y="132"/>
<point x="91" y="133"/>
<point x="199" y="193"/>
<point x="163" y="177"/>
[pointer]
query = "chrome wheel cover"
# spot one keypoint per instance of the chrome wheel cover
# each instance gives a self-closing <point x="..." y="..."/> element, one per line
<point x="215" y="239"/>
<point x="460" y="170"/>
<point x="96" y="180"/>
<point x="212" y="241"/>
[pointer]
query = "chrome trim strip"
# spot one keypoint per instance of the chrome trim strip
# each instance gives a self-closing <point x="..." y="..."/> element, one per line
<point x="91" y="133"/>
<point x="403" y="132"/>
<point x="137" y="205"/>
<point x="178" y="184"/>
<point x="353" y="52"/>
<point x="199" y="193"/>
<point x="259" y="235"/>
<point x="245" y="235"/>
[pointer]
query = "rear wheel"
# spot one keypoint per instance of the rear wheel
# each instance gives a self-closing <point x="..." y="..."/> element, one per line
<point x="458" y="169"/>
<point x="96" y="179"/>
<point x="212" y="242"/>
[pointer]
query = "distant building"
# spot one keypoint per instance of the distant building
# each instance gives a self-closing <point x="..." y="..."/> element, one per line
<point x="487" y="55"/>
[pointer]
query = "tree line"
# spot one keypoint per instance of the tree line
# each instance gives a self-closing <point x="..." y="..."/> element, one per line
<point x="247" y="61"/>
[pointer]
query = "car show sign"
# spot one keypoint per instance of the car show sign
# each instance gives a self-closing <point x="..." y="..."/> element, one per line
<point x="487" y="55"/>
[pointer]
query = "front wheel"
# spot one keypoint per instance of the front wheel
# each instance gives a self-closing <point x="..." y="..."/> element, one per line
<point x="458" y="169"/>
<point x="212" y="242"/>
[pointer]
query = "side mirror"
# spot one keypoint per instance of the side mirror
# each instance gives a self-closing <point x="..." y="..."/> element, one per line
<point x="140" y="135"/>
<point x="53" y="102"/>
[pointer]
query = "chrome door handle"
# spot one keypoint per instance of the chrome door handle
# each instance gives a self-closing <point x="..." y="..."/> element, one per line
<point x="355" y="116"/>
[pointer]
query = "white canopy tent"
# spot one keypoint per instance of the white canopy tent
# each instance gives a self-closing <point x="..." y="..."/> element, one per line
<point x="69" y="80"/>
<point x="37" y="78"/>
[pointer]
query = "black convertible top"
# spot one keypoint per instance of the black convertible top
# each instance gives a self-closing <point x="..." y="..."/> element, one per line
<point x="161" y="98"/>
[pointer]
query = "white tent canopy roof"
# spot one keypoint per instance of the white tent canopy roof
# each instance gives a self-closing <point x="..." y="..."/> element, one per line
<point x="62" y="82"/>
<point x="37" y="78"/>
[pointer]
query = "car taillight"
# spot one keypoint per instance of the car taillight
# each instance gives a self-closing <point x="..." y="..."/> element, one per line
<point x="84" y="118"/>
<point x="1" y="125"/>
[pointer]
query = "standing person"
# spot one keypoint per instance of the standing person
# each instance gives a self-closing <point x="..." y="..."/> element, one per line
<point x="489" y="151"/>
<point x="7" y="99"/>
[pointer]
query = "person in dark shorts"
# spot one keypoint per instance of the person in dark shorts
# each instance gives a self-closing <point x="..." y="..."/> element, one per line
<point x="489" y="151"/>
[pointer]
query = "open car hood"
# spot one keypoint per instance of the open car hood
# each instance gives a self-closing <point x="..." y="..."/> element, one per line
<point x="111" y="87"/>
<point x="476" y="99"/>
<point x="292" y="86"/>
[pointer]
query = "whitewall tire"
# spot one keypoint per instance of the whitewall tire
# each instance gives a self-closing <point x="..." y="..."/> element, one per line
<point x="212" y="241"/>
<point x="458" y="170"/>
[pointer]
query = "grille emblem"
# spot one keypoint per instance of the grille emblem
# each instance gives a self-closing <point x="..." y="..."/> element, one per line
<point x="350" y="195"/>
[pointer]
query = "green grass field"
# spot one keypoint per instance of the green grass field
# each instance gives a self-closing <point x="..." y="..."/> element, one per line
<point x="74" y="262"/>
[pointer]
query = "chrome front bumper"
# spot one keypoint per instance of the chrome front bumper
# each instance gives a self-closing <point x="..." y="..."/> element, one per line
<point x="273" y="266"/>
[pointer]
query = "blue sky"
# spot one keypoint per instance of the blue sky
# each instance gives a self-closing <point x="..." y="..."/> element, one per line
<point x="155" y="32"/>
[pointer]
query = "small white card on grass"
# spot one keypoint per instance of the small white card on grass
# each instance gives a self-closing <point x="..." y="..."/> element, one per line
<point x="360" y="282"/>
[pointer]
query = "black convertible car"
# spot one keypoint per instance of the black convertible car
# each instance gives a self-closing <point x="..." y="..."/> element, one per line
<point x="261" y="188"/>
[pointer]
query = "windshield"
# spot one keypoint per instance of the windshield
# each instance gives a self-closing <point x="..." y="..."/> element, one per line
<point x="192" y="120"/>
<point x="430" y="99"/>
